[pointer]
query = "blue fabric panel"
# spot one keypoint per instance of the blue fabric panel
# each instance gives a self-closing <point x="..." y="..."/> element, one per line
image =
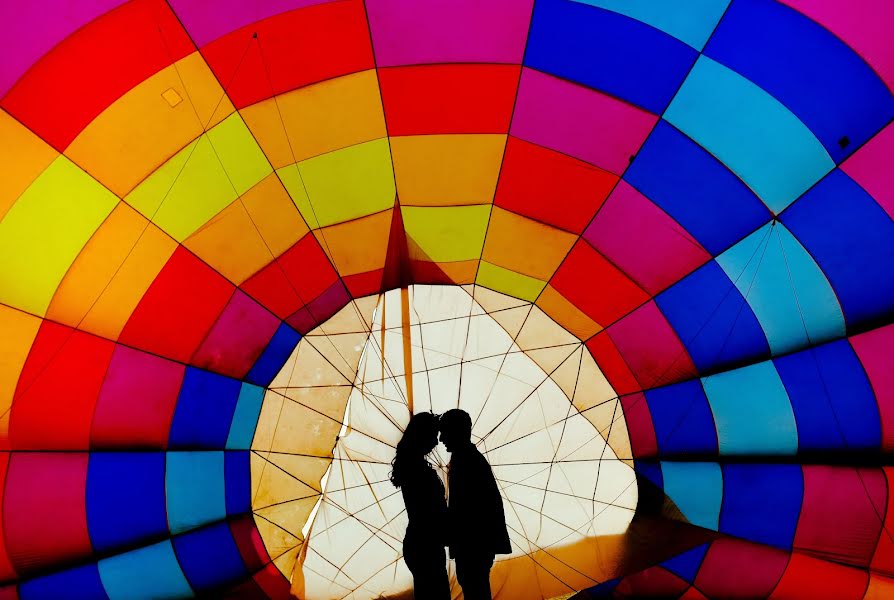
<point x="245" y="418"/>
<point x="80" y="583"/>
<point x="749" y="131"/>
<point x="762" y="503"/>
<point x="752" y="411"/>
<point x="603" y="591"/>
<point x="125" y="499"/>
<point x="833" y="401"/>
<point x="210" y="558"/>
<point x="696" y="189"/>
<point x="274" y="356"/>
<point x="651" y="470"/>
<point x="852" y="239"/>
<point x="825" y="83"/>
<point x="692" y="26"/>
<point x="712" y="319"/>
<point x="696" y="489"/>
<point x="682" y="418"/>
<point x="154" y="568"/>
<point x="608" y="52"/>
<point x="786" y="289"/>
<point x="205" y="410"/>
<point x="194" y="484"/>
<point x="686" y="565"/>
<point x="237" y="469"/>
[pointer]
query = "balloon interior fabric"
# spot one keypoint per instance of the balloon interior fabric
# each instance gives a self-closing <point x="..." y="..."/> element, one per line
<point x="648" y="246"/>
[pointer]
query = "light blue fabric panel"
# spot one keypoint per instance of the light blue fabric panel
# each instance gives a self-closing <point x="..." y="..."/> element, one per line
<point x="752" y="411"/>
<point x="749" y="131"/>
<point x="696" y="489"/>
<point x="194" y="489"/>
<point x="245" y="418"/>
<point x="150" y="573"/>
<point x="786" y="289"/>
<point x="690" y="21"/>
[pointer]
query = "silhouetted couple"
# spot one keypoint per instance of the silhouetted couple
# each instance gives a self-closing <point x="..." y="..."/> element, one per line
<point x="472" y="524"/>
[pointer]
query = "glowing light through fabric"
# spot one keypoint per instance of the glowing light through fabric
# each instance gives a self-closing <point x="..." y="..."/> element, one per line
<point x="646" y="244"/>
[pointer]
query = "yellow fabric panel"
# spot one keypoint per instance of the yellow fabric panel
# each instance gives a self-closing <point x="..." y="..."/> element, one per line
<point x="446" y="170"/>
<point x="111" y="274"/>
<point x="274" y="214"/>
<point x="509" y="282"/>
<point x="319" y="118"/>
<point x="142" y="129"/>
<point x="525" y="246"/>
<point x="566" y="314"/>
<point x="342" y="185"/>
<point x="202" y="179"/>
<point x="357" y="246"/>
<point x="445" y="234"/>
<point x="23" y="156"/>
<point x="19" y="330"/>
<point x="45" y="230"/>
<point x="231" y="244"/>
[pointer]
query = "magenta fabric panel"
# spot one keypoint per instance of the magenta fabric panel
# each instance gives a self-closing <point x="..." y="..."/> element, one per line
<point x="873" y="348"/>
<point x="137" y="401"/>
<point x="739" y="570"/>
<point x="238" y="337"/>
<point x="579" y="121"/>
<point x="641" y="239"/>
<point x="410" y="32"/>
<point x="871" y="167"/>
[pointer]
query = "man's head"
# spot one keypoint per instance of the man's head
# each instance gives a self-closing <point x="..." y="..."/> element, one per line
<point x="456" y="429"/>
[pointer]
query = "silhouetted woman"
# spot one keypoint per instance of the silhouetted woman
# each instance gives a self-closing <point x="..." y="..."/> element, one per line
<point x="423" y="495"/>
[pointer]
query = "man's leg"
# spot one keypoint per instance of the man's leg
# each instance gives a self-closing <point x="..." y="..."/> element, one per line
<point x="473" y="575"/>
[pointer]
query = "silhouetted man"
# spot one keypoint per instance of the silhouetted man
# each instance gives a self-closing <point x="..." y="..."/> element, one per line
<point x="476" y="524"/>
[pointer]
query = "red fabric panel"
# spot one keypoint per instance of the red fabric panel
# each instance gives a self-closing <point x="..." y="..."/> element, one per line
<point x="137" y="401"/>
<point x="238" y="338"/>
<point x="810" y="578"/>
<point x="693" y="594"/>
<point x="648" y="245"/>
<point x="10" y="592"/>
<point x="883" y="559"/>
<point x="874" y="350"/>
<point x="852" y="499"/>
<point x="654" y="582"/>
<point x="6" y="571"/>
<point x="639" y="425"/>
<point x="612" y="364"/>
<point x="178" y="309"/>
<point x="44" y="509"/>
<point x="551" y="187"/>
<point x="595" y="286"/>
<point x="57" y="390"/>
<point x="651" y="348"/>
<point x="423" y="271"/>
<point x="365" y="284"/>
<point x="293" y="49"/>
<point x="734" y="569"/>
<point x="324" y="306"/>
<point x="273" y="583"/>
<point x="449" y="98"/>
<point x="247" y="590"/>
<point x="297" y="277"/>
<point x="95" y="66"/>
<point x="248" y="541"/>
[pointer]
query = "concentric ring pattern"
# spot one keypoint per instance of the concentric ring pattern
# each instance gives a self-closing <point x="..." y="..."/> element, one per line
<point x="699" y="190"/>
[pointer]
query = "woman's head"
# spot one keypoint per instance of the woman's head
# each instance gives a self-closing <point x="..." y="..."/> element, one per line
<point x="420" y="437"/>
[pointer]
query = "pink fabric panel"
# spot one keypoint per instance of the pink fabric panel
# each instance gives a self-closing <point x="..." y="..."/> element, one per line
<point x="851" y="498"/>
<point x="238" y="337"/>
<point x="867" y="30"/>
<point x="408" y="32"/>
<point x="579" y="121"/>
<point x="137" y="401"/>
<point x="207" y="20"/>
<point x="44" y="509"/>
<point x="874" y="350"/>
<point x="651" y="348"/>
<point x="870" y="166"/>
<point x="639" y="425"/>
<point x="641" y="239"/>
<point x="736" y="569"/>
<point x="29" y="29"/>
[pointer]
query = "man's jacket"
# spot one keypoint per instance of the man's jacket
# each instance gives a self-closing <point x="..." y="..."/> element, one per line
<point x="476" y="523"/>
